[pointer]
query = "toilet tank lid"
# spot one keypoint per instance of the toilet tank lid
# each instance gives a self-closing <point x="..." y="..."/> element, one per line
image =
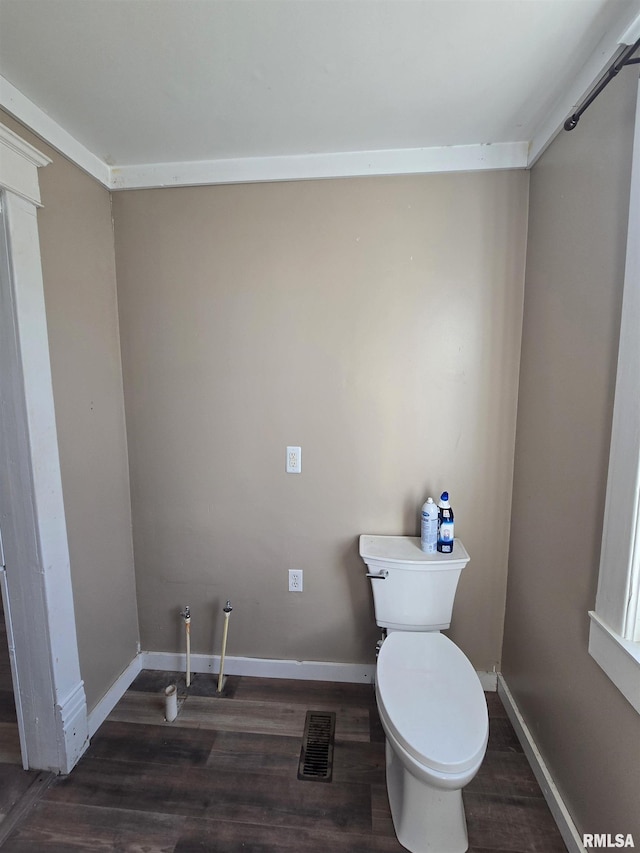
<point x="433" y="700"/>
<point x="406" y="550"/>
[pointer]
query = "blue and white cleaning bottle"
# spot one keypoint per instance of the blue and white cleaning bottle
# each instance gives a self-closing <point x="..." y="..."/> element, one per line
<point x="445" y="525"/>
<point x="429" y="527"/>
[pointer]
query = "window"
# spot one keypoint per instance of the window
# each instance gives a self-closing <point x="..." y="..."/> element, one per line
<point x="614" y="636"/>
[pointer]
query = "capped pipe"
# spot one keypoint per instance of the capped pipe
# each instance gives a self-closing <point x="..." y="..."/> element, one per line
<point x="226" y="610"/>
<point x="170" y="703"/>
<point x="186" y="615"/>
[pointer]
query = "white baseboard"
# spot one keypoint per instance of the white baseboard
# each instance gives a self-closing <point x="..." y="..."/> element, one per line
<point x="561" y="815"/>
<point x="72" y="729"/>
<point x="309" y="670"/>
<point x="114" y="694"/>
<point x="354" y="673"/>
<point x="489" y="681"/>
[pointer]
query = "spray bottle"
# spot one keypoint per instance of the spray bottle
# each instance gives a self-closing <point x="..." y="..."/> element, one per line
<point x="429" y="526"/>
<point x="445" y="525"/>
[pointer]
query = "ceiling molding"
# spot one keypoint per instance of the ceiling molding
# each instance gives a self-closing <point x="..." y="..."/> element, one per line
<point x="456" y="158"/>
<point x="590" y="74"/>
<point x="632" y="33"/>
<point x="407" y="161"/>
<point x="27" y="113"/>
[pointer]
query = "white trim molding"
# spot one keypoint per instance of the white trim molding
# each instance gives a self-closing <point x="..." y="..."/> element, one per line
<point x="488" y="680"/>
<point x="403" y="161"/>
<point x="50" y="699"/>
<point x="407" y="161"/>
<point x="26" y="112"/>
<point x="455" y="158"/>
<point x="19" y="164"/>
<point x="618" y="657"/>
<point x="614" y="634"/>
<point x="354" y="673"/>
<point x="114" y="694"/>
<point x="71" y="720"/>
<point x="306" y="670"/>
<point x="556" y="804"/>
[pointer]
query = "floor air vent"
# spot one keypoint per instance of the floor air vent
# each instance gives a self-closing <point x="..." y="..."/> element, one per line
<point x="316" y="755"/>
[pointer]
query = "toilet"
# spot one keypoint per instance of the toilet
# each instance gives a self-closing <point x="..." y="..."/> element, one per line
<point x="430" y="700"/>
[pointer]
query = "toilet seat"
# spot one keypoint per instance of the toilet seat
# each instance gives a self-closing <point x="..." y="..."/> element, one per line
<point x="431" y="698"/>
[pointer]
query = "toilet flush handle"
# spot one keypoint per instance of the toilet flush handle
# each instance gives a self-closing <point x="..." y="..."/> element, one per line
<point x="381" y="576"/>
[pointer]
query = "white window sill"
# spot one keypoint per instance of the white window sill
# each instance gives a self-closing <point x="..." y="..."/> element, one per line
<point x="619" y="658"/>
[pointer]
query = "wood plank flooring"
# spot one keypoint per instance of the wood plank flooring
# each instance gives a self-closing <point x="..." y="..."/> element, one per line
<point x="223" y="777"/>
<point x="14" y="781"/>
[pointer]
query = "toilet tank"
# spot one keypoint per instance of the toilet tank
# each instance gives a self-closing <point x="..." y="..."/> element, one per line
<point x="412" y="591"/>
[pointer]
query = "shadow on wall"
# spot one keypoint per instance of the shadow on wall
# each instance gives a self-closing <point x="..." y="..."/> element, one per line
<point x="356" y="574"/>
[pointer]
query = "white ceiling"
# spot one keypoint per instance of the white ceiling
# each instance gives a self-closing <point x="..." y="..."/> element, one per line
<point x="130" y="84"/>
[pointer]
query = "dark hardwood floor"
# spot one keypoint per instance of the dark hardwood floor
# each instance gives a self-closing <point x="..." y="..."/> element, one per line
<point x="223" y="777"/>
<point x="14" y="781"/>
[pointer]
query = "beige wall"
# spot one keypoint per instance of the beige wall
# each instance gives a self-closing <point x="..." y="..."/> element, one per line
<point x="376" y="323"/>
<point x="587" y="732"/>
<point x="76" y="241"/>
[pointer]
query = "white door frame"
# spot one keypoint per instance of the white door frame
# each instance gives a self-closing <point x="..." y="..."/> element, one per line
<point x="36" y="583"/>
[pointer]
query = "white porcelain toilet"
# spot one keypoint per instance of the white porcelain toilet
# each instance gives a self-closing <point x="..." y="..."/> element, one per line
<point x="430" y="700"/>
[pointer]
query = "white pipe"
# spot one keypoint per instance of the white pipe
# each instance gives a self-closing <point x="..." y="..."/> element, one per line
<point x="227" y="610"/>
<point x="186" y="615"/>
<point x="187" y="623"/>
<point x="171" y="703"/>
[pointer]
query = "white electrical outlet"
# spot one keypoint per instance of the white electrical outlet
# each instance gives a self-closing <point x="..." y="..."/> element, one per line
<point x="295" y="580"/>
<point x="294" y="460"/>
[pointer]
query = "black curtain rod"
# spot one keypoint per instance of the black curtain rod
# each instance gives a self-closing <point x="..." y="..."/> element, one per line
<point x="617" y="65"/>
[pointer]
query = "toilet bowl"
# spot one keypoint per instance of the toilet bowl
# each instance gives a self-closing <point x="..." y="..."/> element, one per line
<point x="430" y="699"/>
<point x="434" y="715"/>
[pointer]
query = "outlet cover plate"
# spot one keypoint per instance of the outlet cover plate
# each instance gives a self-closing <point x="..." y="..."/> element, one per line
<point x="295" y="580"/>
<point x="294" y="460"/>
